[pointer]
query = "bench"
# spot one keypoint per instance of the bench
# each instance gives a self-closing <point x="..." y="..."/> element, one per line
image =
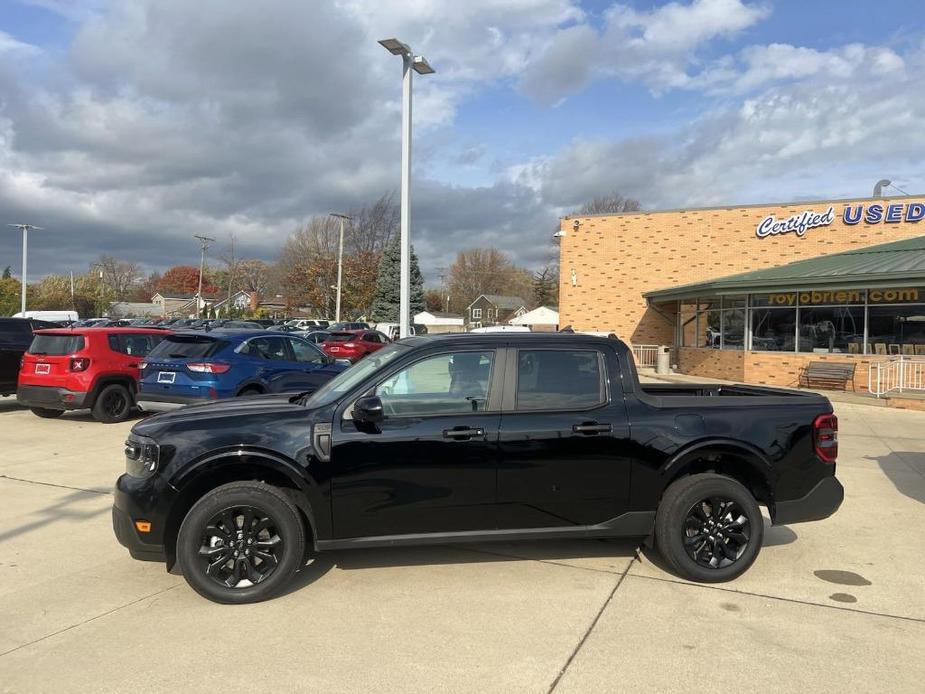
<point x="828" y="374"/>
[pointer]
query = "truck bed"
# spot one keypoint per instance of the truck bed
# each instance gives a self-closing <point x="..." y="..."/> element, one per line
<point x="722" y="395"/>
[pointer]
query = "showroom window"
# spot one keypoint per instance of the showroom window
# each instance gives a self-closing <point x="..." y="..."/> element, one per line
<point x="831" y="329"/>
<point x="896" y="330"/>
<point x="773" y="329"/>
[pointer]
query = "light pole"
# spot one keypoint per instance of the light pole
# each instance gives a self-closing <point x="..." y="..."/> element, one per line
<point x="419" y="64"/>
<point x="204" y="243"/>
<point x="340" y="260"/>
<point x="24" y="228"/>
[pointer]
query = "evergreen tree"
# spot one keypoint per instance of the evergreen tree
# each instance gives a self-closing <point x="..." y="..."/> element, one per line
<point x="7" y="272"/>
<point x="388" y="283"/>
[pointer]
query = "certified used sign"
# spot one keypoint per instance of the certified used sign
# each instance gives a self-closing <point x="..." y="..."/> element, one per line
<point x="798" y="224"/>
<point x="874" y="213"/>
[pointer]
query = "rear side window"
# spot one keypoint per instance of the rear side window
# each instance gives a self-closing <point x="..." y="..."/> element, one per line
<point x="56" y="345"/>
<point x="341" y="337"/>
<point x="134" y="345"/>
<point x="559" y="379"/>
<point x="185" y="346"/>
<point x="270" y="348"/>
<point x="15" y="330"/>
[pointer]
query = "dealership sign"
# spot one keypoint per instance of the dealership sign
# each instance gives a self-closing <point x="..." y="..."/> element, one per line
<point x="875" y="213"/>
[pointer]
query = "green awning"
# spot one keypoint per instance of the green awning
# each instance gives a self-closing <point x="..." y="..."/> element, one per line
<point x="895" y="264"/>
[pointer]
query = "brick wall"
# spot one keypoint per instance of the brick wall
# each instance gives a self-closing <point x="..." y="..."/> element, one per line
<point x="727" y="365"/>
<point x="618" y="257"/>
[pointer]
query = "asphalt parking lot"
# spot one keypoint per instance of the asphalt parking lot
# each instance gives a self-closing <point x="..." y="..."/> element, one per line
<point x="833" y="606"/>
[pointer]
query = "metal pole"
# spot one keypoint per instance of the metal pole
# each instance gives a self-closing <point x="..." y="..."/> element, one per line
<point x="404" y="303"/>
<point x="25" y="243"/>
<point x="340" y="270"/>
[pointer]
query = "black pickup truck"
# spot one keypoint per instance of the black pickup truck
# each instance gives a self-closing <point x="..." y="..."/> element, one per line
<point x="460" y="438"/>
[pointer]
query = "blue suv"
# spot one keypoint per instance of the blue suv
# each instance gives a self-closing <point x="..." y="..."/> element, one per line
<point x="191" y="367"/>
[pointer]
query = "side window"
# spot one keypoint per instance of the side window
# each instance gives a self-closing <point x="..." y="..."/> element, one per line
<point x="454" y="383"/>
<point x="133" y="345"/>
<point x="270" y="348"/>
<point x="306" y="353"/>
<point x="559" y="379"/>
<point x="372" y="337"/>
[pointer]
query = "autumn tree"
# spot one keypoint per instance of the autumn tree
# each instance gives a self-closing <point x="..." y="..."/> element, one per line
<point x="434" y="300"/>
<point x="485" y="271"/>
<point x="10" y="294"/>
<point x="184" y="279"/>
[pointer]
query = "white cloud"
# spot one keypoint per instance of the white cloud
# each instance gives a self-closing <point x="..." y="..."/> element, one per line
<point x="9" y="45"/>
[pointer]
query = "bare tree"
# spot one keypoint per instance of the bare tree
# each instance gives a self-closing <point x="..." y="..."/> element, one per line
<point x="372" y="226"/>
<point x="254" y="276"/>
<point x="119" y="276"/>
<point x="485" y="271"/>
<point x="609" y="204"/>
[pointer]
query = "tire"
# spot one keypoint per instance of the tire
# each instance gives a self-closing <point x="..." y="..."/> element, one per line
<point x="203" y="538"/>
<point x="114" y="403"/>
<point x="250" y="390"/>
<point x="46" y="413"/>
<point x="687" y="524"/>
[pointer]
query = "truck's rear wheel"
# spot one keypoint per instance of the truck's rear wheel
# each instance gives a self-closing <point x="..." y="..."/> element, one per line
<point x="242" y="542"/>
<point x="708" y="528"/>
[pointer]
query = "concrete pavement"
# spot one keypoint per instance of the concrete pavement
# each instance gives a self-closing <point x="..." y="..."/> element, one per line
<point x="833" y="606"/>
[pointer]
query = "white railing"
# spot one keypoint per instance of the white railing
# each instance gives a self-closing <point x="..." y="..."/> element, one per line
<point x="645" y="355"/>
<point x="900" y="373"/>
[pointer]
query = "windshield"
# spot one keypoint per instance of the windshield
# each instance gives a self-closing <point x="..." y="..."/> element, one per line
<point x="347" y="380"/>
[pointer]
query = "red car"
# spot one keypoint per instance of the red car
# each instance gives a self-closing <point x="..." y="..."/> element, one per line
<point x="77" y="368"/>
<point x="353" y="344"/>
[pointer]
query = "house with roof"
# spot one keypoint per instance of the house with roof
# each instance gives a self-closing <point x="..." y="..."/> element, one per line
<point x="179" y="304"/>
<point x="544" y="319"/>
<point x="494" y="309"/>
<point x="440" y="322"/>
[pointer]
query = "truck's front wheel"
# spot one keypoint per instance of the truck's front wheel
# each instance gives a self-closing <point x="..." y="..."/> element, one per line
<point x="708" y="528"/>
<point x="242" y="542"/>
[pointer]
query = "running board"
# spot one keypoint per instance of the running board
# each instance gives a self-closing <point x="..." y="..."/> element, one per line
<point x="629" y="524"/>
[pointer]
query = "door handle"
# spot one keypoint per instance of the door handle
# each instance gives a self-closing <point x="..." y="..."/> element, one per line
<point x="591" y="428"/>
<point x="462" y="433"/>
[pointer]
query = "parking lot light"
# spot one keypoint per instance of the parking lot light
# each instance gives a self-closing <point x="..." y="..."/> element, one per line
<point x="24" y="228"/>
<point x="340" y="261"/>
<point x="419" y="64"/>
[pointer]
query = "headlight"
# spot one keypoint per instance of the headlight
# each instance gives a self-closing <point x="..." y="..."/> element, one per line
<point x="141" y="457"/>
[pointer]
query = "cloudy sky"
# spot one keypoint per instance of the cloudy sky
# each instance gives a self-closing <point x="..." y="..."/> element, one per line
<point x="126" y="126"/>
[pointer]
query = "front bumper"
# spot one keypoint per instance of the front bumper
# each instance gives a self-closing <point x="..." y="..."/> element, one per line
<point x="133" y="500"/>
<point x="51" y="398"/>
<point x="821" y="502"/>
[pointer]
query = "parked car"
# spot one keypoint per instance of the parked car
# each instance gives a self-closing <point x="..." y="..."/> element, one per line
<point x="392" y="330"/>
<point x="191" y="367"/>
<point x="353" y="344"/>
<point x="349" y="325"/>
<point x="316" y="337"/>
<point x="50" y="316"/>
<point x="15" y="338"/>
<point x="84" y="368"/>
<point x="456" y="438"/>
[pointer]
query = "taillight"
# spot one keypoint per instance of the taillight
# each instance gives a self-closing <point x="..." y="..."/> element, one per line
<point x="79" y="363"/>
<point x="825" y="437"/>
<point x="207" y="367"/>
<point x="349" y="345"/>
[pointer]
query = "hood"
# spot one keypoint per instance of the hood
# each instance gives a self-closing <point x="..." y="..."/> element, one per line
<point x="248" y="408"/>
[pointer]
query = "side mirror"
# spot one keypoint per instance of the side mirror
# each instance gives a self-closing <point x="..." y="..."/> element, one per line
<point x="368" y="410"/>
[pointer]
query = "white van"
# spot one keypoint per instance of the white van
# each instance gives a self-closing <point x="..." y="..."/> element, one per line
<point x="54" y="316"/>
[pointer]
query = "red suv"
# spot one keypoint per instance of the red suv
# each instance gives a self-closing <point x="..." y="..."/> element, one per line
<point x="95" y="368"/>
<point x="353" y="344"/>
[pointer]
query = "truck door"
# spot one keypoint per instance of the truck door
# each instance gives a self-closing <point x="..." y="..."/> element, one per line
<point x="564" y="446"/>
<point x="430" y="465"/>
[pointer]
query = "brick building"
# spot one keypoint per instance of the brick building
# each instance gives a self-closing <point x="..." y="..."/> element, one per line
<point x="700" y="280"/>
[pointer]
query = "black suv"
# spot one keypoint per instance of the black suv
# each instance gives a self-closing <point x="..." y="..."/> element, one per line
<point x="456" y="438"/>
<point x="15" y="338"/>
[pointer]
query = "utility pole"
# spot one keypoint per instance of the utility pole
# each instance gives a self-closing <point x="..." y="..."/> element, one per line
<point x="204" y="244"/>
<point x="340" y="261"/>
<point x="24" y="228"/>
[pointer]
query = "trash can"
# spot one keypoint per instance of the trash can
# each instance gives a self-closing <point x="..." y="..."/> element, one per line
<point x="663" y="360"/>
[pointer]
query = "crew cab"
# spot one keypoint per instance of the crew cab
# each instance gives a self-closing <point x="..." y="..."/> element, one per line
<point x="353" y="344"/>
<point x="15" y="338"/>
<point x="77" y="368"/>
<point x="458" y="438"/>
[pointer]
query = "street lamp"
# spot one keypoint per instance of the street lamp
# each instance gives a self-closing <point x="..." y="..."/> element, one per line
<point x="420" y="65"/>
<point x="204" y="242"/>
<point x="24" y="228"/>
<point x="340" y="260"/>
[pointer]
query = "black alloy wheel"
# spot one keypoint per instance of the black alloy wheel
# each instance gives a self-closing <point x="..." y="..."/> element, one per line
<point x="716" y="532"/>
<point x="240" y="547"/>
<point x="241" y="542"/>
<point x="708" y="527"/>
